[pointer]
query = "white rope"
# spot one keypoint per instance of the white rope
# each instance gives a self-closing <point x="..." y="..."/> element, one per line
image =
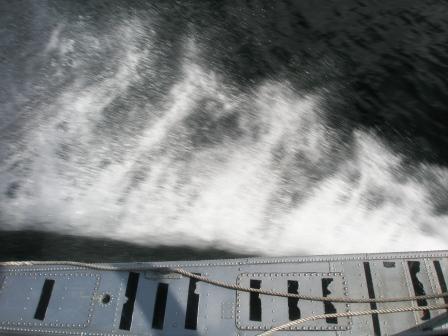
<point x="305" y="297"/>
<point x="137" y="267"/>
<point x="350" y="314"/>
<point x="143" y="267"/>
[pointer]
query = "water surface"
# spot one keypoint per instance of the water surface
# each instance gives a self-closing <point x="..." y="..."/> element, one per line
<point x="203" y="129"/>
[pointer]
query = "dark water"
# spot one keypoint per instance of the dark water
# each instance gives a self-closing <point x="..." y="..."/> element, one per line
<point x="23" y="245"/>
<point x="187" y="129"/>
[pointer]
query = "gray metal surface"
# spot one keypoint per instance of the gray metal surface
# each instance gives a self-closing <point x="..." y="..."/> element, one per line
<point x="90" y="302"/>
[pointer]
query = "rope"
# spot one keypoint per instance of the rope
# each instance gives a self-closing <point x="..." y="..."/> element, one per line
<point x="143" y="267"/>
<point x="350" y="314"/>
<point x="305" y="297"/>
<point x="137" y="267"/>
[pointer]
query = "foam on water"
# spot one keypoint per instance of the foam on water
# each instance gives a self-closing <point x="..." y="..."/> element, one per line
<point x="259" y="171"/>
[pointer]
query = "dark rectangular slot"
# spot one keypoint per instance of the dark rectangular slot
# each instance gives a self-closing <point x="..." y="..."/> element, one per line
<point x="255" y="302"/>
<point x="293" y="309"/>
<point x="44" y="300"/>
<point x="128" y="307"/>
<point x="389" y="264"/>
<point x="160" y="306"/>
<point x="414" y="268"/>
<point x="371" y="291"/>
<point x="191" y="317"/>
<point x="441" y="279"/>
<point x="329" y="307"/>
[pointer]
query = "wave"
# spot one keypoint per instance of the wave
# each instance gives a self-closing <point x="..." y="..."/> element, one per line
<point x="204" y="162"/>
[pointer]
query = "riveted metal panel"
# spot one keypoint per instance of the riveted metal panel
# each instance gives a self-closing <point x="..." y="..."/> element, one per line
<point x="356" y="288"/>
<point x="107" y="315"/>
<point x="275" y="309"/>
<point x="392" y="281"/>
<point x="222" y="311"/>
<point x="70" y="305"/>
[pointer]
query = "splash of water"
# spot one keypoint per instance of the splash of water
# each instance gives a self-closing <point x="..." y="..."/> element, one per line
<point x="259" y="171"/>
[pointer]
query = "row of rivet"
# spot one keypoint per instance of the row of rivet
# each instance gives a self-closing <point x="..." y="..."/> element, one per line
<point x="307" y="260"/>
<point x="92" y="300"/>
<point x="34" y="324"/>
<point x="117" y="309"/>
<point x="42" y="331"/>
<point x="61" y="332"/>
<point x="35" y="274"/>
<point x="311" y="259"/>
<point x="298" y="274"/>
<point x="43" y="269"/>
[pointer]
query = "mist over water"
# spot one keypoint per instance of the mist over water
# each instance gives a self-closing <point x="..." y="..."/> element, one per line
<point x="123" y="123"/>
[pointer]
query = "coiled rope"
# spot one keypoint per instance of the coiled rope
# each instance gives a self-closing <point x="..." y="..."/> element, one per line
<point x="137" y="267"/>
